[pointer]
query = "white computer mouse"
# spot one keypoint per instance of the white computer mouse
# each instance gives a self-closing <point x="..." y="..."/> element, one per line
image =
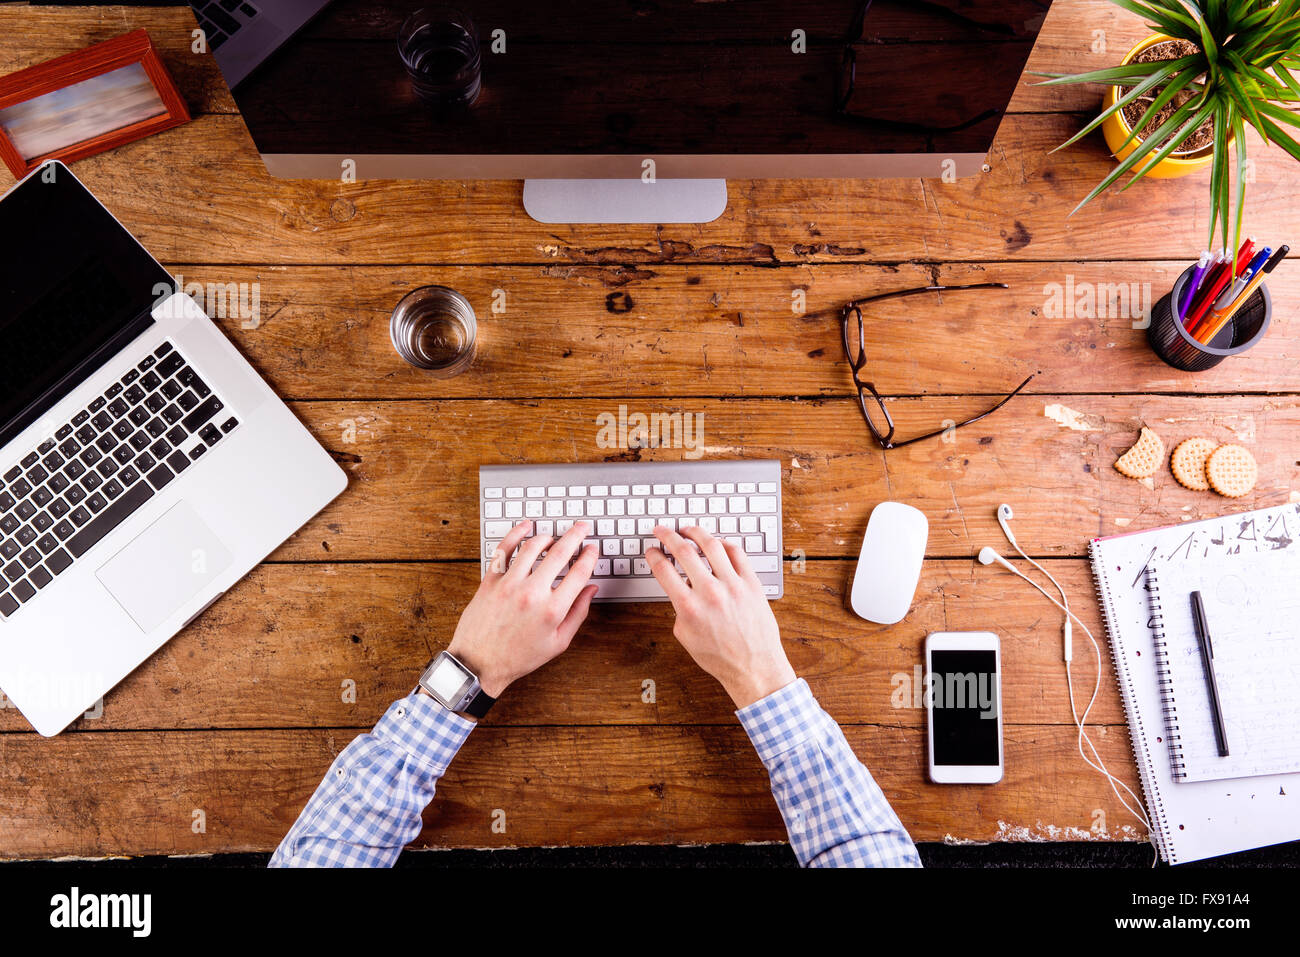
<point x="889" y="565"/>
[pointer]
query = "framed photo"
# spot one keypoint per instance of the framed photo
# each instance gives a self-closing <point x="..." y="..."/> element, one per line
<point x="86" y="102"/>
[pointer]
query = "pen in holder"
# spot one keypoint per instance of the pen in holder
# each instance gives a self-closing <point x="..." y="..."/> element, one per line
<point x="1175" y="345"/>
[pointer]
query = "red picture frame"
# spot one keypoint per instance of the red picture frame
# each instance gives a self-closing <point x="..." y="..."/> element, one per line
<point x="31" y="84"/>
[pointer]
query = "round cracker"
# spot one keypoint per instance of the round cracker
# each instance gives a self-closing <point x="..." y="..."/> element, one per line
<point x="1142" y="460"/>
<point x="1188" y="462"/>
<point x="1231" y="470"/>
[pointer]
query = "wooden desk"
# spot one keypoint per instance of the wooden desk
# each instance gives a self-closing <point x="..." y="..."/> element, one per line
<point x="239" y="716"/>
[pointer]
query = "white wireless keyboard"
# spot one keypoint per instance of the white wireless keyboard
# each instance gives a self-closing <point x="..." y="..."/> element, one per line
<point x="739" y="501"/>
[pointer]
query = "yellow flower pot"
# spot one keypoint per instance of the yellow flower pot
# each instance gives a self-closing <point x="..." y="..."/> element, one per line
<point x="1116" y="130"/>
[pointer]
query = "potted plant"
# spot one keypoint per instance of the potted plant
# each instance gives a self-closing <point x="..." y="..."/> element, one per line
<point x="1182" y="97"/>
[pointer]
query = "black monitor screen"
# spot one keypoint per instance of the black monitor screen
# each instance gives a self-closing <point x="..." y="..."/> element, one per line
<point x="74" y="286"/>
<point x="626" y="77"/>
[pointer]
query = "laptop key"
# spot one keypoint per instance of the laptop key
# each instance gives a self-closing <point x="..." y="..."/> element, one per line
<point x="229" y="424"/>
<point x="188" y="401"/>
<point x="47" y="543"/>
<point x="39" y="577"/>
<point x="80" y="515"/>
<point x="139" y="415"/>
<point x="58" y="508"/>
<point x="210" y="407"/>
<point x="160" y="477"/>
<point x="31" y="558"/>
<point x="127" y="380"/>
<point x="42" y="521"/>
<point x="156" y="428"/>
<point x="155" y="402"/>
<point x="29" y="460"/>
<point x="178" y="461"/>
<point x="128" y="476"/>
<point x="8" y="523"/>
<point x="150" y="381"/>
<point x="63" y="433"/>
<point x="80" y="418"/>
<point x="162" y="350"/>
<point x="176" y="435"/>
<point x="101" y="421"/>
<point x="24" y="591"/>
<point x="112" y="488"/>
<point x="118" y="407"/>
<point x="97" y="403"/>
<point x="145" y="463"/>
<point x="113" y="391"/>
<point x="26" y="535"/>
<point x="169" y="365"/>
<point x="58" y="562"/>
<point x="44" y="446"/>
<point x="9" y="548"/>
<point x="25" y="510"/>
<point x="146" y="364"/>
<point x="210" y="434"/>
<point x="85" y="435"/>
<point x="96" y="503"/>
<point x="123" y="454"/>
<point x="13" y="473"/>
<point x="75" y="494"/>
<point x="8" y="604"/>
<point x="14" y="571"/>
<point x="6" y="501"/>
<point x="123" y="429"/>
<point x="109" y="519"/>
<point x="171" y="388"/>
<point x="172" y="414"/>
<point x="160" y="448"/>
<point x="64" y="529"/>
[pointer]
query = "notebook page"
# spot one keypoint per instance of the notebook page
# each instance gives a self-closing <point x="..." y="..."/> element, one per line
<point x="1252" y="605"/>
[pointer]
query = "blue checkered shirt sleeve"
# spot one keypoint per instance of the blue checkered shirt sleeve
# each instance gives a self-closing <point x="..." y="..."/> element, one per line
<point x="369" y="805"/>
<point x="834" y="812"/>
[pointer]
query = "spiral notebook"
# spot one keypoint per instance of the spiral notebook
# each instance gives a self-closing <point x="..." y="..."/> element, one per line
<point x="1200" y="805"/>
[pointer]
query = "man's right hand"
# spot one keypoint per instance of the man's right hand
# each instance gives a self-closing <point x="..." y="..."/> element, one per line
<point x="723" y="619"/>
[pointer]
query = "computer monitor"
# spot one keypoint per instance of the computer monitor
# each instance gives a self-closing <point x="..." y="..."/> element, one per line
<point x="620" y="110"/>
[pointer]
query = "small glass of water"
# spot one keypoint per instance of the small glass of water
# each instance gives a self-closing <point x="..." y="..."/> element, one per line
<point x="439" y="45"/>
<point x="434" y="328"/>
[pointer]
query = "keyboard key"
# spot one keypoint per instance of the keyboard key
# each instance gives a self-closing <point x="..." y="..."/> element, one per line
<point x="123" y="429"/>
<point x="111" y="517"/>
<point x="172" y="414"/>
<point x="766" y="487"/>
<point x="58" y="562"/>
<point x="15" y="571"/>
<point x="162" y="350"/>
<point x="29" y="460"/>
<point x="170" y="389"/>
<point x="119" y="407"/>
<point x="492" y="493"/>
<point x="178" y="461"/>
<point x="127" y="379"/>
<point x="8" y="604"/>
<point x="156" y="428"/>
<point x="228" y="426"/>
<point x="58" y="508"/>
<point x="97" y="403"/>
<point x="765" y="563"/>
<point x="155" y="403"/>
<point x="160" y="476"/>
<point x="176" y="434"/>
<point x="75" y="494"/>
<point x="96" y="503"/>
<point x="23" y="591"/>
<point x="187" y="401"/>
<point x="9" y="548"/>
<point x="112" y="489"/>
<point x="197" y="451"/>
<point x="128" y="475"/>
<point x="189" y="377"/>
<point x="211" y="435"/>
<point x="64" y="529"/>
<point x="139" y="415"/>
<point x="113" y="391"/>
<point x="31" y="558"/>
<point x="80" y="515"/>
<point x="13" y="473"/>
<point x="47" y="543"/>
<point x="150" y="381"/>
<point x="762" y="503"/>
<point x="79" y="418"/>
<point x="168" y="366"/>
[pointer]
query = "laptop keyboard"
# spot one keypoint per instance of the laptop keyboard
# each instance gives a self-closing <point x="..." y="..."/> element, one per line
<point x="114" y="455"/>
<point x="221" y="18"/>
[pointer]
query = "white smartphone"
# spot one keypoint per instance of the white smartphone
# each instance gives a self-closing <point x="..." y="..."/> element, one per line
<point x="963" y="701"/>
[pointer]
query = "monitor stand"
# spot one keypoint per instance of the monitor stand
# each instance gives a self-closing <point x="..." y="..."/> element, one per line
<point x="625" y="200"/>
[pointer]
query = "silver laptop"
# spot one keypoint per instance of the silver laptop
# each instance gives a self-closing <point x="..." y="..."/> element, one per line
<point x="243" y="33"/>
<point x="144" y="466"/>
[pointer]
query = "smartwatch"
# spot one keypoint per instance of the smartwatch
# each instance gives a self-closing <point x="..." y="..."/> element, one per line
<point x="455" y="687"/>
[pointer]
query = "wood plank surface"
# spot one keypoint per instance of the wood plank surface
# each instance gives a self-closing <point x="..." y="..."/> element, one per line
<point x="673" y="784"/>
<point x="331" y="645"/>
<point x="322" y="332"/>
<point x="241" y="713"/>
<point x="414" y="466"/>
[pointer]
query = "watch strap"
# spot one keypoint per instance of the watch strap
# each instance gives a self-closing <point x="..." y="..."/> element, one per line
<point x="480" y="704"/>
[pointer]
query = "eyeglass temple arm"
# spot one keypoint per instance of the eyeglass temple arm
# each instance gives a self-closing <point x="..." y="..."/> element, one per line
<point x="920" y="289"/>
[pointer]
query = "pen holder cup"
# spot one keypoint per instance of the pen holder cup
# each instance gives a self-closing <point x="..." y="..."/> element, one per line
<point x="1172" y="343"/>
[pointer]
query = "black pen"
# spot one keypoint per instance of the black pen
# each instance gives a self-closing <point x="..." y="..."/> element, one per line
<point x="1207" y="658"/>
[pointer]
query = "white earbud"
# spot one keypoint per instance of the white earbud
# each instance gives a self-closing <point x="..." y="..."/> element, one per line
<point x="988" y="556"/>
<point x="1005" y="515"/>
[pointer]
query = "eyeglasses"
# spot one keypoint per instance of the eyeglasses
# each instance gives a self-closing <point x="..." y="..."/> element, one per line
<point x="848" y="78"/>
<point x="857" y="359"/>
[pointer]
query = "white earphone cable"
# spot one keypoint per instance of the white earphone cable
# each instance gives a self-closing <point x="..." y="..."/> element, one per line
<point x="1095" y="762"/>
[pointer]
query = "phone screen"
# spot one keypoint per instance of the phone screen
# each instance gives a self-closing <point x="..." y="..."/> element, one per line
<point x="964" y="713"/>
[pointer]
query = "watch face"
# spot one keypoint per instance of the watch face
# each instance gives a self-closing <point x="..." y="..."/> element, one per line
<point x="448" y="682"/>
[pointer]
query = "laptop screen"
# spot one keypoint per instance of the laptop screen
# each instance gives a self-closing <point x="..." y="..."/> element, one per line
<point x="75" y="287"/>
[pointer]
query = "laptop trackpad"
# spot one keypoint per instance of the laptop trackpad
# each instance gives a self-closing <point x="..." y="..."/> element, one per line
<point x="165" y="566"/>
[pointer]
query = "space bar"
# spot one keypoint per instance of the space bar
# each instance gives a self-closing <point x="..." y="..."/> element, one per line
<point x="628" y="588"/>
<point x="109" y="519"/>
